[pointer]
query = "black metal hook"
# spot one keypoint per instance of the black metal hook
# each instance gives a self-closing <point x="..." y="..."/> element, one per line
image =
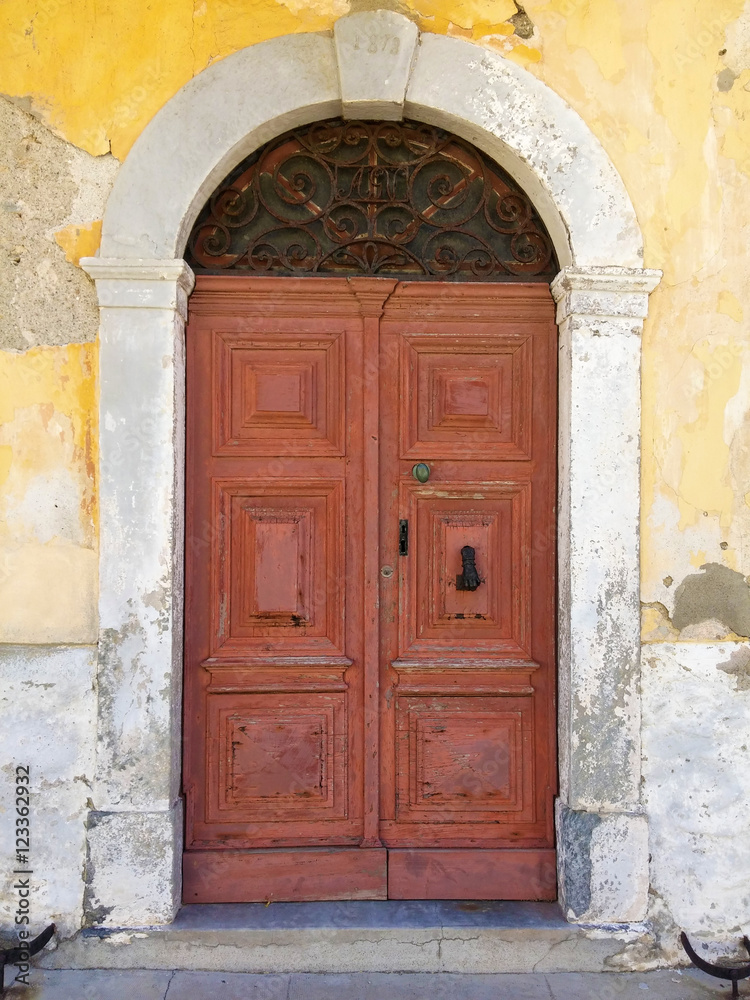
<point x="12" y="955"/>
<point x="733" y="973"/>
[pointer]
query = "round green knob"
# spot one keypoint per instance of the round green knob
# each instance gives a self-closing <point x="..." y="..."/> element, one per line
<point x="421" y="472"/>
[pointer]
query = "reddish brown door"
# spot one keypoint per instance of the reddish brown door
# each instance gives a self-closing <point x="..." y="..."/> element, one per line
<point x="369" y="710"/>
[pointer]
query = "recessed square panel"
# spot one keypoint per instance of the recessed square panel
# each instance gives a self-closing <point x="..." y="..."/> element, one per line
<point x="489" y="524"/>
<point x="468" y="397"/>
<point x="463" y="758"/>
<point x="279" y="563"/>
<point x="279" y="756"/>
<point x="451" y="531"/>
<point x="279" y="394"/>
<point x="275" y="551"/>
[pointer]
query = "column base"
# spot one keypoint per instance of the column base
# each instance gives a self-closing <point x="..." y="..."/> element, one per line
<point x="603" y="865"/>
<point x="133" y="868"/>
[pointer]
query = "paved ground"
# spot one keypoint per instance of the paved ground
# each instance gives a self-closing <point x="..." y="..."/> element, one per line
<point x="144" y="985"/>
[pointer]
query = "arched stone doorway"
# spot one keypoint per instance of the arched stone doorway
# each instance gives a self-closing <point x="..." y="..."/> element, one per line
<point x="371" y="68"/>
<point x="369" y="665"/>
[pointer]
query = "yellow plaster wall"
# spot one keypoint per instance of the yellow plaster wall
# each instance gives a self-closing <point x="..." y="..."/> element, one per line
<point x="48" y="514"/>
<point x="664" y="84"/>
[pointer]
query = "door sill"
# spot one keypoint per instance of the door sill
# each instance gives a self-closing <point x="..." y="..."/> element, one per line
<point x="358" y="936"/>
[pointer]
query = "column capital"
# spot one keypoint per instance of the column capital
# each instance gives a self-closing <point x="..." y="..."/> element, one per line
<point x="140" y="283"/>
<point x="606" y="292"/>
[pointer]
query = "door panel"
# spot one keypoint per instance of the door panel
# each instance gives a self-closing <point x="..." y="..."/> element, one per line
<point x="311" y="874"/>
<point x="279" y="394"/>
<point x="465" y="398"/>
<point x="275" y="595"/>
<point x="467" y="730"/>
<point x="463" y="758"/>
<point x="345" y="704"/>
<point x="437" y="617"/>
<point x="279" y="564"/>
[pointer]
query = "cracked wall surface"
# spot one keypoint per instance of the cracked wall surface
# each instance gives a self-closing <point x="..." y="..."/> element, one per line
<point x="665" y="86"/>
<point x="50" y="190"/>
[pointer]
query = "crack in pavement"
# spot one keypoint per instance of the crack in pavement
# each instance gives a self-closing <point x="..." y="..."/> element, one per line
<point x="548" y="984"/>
<point x="173" y="974"/>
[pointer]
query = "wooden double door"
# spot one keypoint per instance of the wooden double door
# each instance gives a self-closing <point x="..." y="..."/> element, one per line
<point x="369" y="677"/>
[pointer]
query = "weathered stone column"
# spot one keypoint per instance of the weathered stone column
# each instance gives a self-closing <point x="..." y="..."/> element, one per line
<point x="135" y="823"/>
<point x="602" y="833"/>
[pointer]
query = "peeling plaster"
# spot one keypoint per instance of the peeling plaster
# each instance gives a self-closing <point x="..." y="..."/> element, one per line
<point x="696" y="766"/>
<point x="79" y="241"/>
<point x="46" y="185"/>
<point x="48" y="715"/>
<point x="738" y="665"/>
<point x="718" y="594"/>
<point x="708" y="606"/>
<point x="48" y="515"/>
<point x="655" y="624"/>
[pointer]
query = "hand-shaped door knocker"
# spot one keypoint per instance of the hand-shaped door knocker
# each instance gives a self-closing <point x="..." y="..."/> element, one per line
<point x="469" y="579"/>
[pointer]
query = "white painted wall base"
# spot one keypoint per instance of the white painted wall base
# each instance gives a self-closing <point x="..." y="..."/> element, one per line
<point x="48" y="713"/>
<point x="134" y="867"/>
<point x="696" y="769"/>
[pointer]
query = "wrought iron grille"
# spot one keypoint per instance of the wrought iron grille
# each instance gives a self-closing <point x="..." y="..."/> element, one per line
<point x="400" y="200"/>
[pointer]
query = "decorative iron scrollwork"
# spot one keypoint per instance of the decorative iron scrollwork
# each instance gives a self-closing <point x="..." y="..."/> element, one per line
<point x="395" y="199"/>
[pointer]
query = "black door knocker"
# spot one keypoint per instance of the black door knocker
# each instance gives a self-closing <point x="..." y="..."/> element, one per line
<point x="469" y="579"/>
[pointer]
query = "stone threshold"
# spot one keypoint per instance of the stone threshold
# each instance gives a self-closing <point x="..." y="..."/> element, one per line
<point x="361" y="936"/>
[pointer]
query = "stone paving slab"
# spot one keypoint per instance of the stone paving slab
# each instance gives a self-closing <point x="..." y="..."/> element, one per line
<point x="98" y="984"/>
<point x="227" y="986"/>
<point x="90" y="984"/>
<point x="666" y="985"/>
<point x="420" y="986"/>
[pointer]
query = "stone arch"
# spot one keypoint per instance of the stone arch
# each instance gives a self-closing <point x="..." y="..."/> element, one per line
<point x="376" y="65"/>
<point x="200" y="135"/>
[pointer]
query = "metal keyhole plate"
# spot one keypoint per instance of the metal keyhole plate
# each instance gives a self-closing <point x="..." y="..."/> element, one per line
<point x="387" y="572"/>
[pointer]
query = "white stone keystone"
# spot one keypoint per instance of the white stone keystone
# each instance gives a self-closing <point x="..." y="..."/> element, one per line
<point x="374" y="50"/>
